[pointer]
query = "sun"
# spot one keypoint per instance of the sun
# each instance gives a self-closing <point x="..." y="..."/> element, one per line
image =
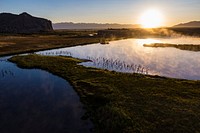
<point x="151" y="19"/>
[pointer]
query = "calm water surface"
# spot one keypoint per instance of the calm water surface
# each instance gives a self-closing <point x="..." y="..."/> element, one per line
<point x="131" y="56"/>
<point x="35" y="101"/>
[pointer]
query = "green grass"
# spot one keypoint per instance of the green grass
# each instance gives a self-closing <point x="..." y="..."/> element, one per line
<point x="118" y="102"/>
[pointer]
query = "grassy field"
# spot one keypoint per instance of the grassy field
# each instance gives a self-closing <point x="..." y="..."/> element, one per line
<point x="16" y="44"/>
<point x="118" y="102"/>
<point x="11" y="44"/>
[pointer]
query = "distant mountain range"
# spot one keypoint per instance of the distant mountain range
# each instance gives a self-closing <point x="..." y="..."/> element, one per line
<point x="26" y="23"/>
<point x="70" y="25"/>
<point x="23" y="23"/>
<point x="189" y="24"/>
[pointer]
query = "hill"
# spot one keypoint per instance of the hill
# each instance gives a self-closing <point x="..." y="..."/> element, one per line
<point x="23" y="23"/>
<point x="70" y="25"/>
<point x="189" y="24"/>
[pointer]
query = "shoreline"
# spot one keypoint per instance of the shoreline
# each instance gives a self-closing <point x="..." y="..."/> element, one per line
<point x="32" y="51"/>
<point x="86" y="42"/>
<point x="118" y="102"/>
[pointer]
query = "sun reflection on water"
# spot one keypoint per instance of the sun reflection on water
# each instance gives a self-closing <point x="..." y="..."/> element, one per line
<point x="146" y="41"/>
<point x="169" y="62"/>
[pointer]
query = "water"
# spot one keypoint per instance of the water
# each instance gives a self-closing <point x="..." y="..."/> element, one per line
<point x="35" y="101"/>
<point x="131" y="56"/>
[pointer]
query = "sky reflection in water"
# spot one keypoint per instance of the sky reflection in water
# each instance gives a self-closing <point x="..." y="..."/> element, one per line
<point x="35" y="101"/>
<point x="170" y="62"/>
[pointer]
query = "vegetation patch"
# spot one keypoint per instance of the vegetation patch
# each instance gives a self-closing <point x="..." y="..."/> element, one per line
<point x="118" y="102"/>
<point x="30" y="43"/>
<point x="189" y="47"/>
<point x="12" y="44"/>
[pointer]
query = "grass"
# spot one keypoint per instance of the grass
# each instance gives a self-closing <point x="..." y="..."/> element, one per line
<point x="118" y="102"/>
<point x="11" y="44"/>
<point x="16" y="44"/>
<point x="189" y="47"/>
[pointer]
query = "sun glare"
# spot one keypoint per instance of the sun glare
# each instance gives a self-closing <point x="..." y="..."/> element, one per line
<point x="147" y="41"/>
<point x="151" y="19"/>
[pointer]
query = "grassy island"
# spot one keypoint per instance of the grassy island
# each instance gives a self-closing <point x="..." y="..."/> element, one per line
<point x="189" y="47"/>
<point x="118" y="102"/>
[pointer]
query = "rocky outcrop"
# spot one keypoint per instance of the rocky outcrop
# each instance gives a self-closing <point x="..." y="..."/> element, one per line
<point x="23" y="23"/>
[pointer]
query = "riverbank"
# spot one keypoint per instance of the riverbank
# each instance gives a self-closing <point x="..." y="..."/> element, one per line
<point x="11" y="44"/>
<point x="118" y="102"/>
<point x="18" y="44"/>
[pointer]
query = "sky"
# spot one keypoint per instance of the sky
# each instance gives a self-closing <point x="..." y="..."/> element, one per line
<point x="105" y="11"/>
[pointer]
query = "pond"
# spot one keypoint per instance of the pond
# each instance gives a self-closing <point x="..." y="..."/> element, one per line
<point x="131" y="56"/>
<point x="35" y="101"/>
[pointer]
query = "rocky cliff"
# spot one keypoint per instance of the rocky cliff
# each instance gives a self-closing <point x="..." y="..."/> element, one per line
<point x="23" y="23"/>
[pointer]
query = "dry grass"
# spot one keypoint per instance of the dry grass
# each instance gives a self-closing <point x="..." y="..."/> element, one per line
<point x="15" y="44"/>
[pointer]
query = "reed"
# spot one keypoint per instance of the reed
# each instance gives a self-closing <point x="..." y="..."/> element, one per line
<point x="56" y="53"/>
<point x="118" y="65"/>
<point x="6" y="73"/>
<point x="105" y="63"/>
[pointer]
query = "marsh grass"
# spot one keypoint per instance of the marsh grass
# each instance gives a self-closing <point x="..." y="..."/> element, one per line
<point x="189" y="47"/>
<point x="118" y="102"/>
<point x="32" y="44"/>
<point x="22" y="43"/>
<point x="104" y="63"/>
<point x="117" y="65"/>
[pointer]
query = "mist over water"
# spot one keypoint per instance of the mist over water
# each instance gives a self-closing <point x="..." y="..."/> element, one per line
<point x="182" y="40"/>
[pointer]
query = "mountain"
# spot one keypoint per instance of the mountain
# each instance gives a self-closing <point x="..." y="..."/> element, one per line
<point x="23" y="23"/>
<point x="189" y="24"/>
<point x="70" y="25"/>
